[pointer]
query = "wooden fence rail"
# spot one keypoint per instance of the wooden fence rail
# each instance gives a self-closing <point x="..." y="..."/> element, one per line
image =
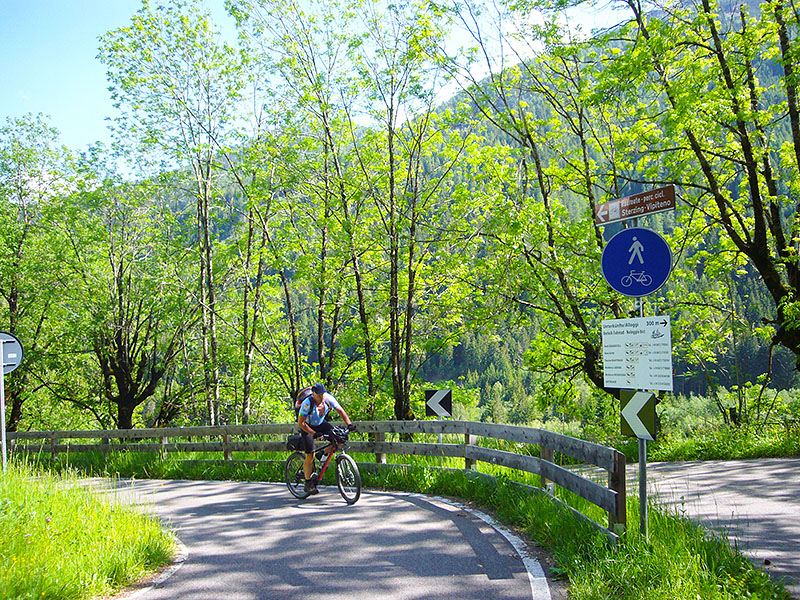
<point x="610" y="497"/>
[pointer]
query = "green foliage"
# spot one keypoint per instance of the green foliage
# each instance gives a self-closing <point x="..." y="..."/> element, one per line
<point x="345" y="226"/>
<point x="681" y="560"/>
<point x="61" y="541"/>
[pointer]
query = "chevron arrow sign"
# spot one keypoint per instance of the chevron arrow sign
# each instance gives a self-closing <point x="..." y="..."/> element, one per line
<point x="638" y="414"/>
<point x="438" y="403"/>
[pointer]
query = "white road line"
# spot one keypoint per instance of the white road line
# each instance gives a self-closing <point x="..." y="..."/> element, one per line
<point x="540" y="590"/>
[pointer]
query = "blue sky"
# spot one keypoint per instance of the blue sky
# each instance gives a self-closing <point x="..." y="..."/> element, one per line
<point x="48" y="63"/>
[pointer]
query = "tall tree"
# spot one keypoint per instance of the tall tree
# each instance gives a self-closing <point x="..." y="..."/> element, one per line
<point x="33" y="174"/>
<point x="178" y="88"/>
<point x="307" y="45"/>
<point x="554" y="163"/>
<point x="407" y="175"/>
<point x="134" y="315"/>
<point x="729" y="134"/>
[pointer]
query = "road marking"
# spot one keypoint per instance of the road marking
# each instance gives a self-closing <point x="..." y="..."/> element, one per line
<point x="540" y="590"/>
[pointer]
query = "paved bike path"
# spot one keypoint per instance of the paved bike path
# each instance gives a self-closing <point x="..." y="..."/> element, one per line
<point x="756" y="503"/>
<point x="255" y="541"/>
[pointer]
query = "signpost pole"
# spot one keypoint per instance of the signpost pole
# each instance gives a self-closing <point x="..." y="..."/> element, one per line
<point x="3" y="404"/>
<point x="643" y="488"/>
<point x="643" y="524"/>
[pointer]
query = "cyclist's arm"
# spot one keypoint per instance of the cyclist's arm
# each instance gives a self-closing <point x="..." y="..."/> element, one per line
<point x="343" y="414"/>
<point x="301" y="422"/>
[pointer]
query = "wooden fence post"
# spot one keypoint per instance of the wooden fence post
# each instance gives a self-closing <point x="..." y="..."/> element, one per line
<point x="470" y="464"/>
<point x="380" y="457"/>
<point x="226" y="448"/>
<point x="54" y="446"/>
<point x="162" y="449"/>
<point x="549" y="455"/>
<point x="618" y="521"/>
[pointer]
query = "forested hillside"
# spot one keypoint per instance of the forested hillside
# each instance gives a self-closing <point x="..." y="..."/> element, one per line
<point x="387" y="198"/>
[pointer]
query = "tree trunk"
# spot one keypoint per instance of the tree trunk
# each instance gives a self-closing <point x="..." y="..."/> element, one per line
<point x="125" y="414"/>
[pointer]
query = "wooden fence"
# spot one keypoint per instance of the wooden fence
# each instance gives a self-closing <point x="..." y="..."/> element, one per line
<point x="463" y="441"/>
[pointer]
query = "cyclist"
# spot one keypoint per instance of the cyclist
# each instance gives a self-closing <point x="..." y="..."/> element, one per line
<point x="312" y="423"/>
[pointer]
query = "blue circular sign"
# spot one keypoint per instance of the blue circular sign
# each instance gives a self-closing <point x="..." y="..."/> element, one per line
<point x="636" y="262"/>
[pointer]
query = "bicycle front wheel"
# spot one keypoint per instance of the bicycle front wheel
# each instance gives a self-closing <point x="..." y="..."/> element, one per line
<point x="295" y="477"/>
<point x="348" y="478"/>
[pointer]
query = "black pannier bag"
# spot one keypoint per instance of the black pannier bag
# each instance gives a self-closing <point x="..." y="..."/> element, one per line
<point x="295" y="442"/>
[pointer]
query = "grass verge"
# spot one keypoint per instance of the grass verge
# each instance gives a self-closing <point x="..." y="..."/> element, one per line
<point x="63" y="542"/>
<point x="724" y="443"/>
<point x="679" y="561"/>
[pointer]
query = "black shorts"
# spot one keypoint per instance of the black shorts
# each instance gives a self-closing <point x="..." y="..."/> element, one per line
<point x="323" y="428"/>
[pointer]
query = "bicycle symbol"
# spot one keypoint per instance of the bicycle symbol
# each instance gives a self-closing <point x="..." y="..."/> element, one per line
<point x="638" y="277"/>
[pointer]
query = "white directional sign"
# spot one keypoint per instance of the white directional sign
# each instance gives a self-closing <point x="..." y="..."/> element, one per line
<point x="637" y="353"/>
<point x="638" y="413"/>
<point x="438" y="403"/>
<point x="11" y="353"/>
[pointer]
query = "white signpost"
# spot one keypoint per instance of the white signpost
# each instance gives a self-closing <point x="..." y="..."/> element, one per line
<point x="637" y="353"/>
<point x="11" y="353"/>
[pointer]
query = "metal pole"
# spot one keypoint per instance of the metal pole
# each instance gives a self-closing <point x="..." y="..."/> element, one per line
<point x="643" y="488"/>
<point x="3" y="404"/>
<point x="643" y="525"/>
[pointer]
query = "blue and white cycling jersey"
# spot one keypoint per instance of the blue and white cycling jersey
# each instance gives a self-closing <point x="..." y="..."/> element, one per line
<point x="309" y="410"/>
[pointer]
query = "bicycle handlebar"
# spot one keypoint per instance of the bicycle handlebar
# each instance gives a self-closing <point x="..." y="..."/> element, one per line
<point x="338" y="435"/>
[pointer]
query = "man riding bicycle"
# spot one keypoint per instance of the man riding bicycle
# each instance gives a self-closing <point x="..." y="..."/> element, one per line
<point x="311" y="420"/>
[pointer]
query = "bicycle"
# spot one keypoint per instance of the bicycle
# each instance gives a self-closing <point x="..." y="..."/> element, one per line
<point x="348" y="479"/>
<point x="638" y="277"/>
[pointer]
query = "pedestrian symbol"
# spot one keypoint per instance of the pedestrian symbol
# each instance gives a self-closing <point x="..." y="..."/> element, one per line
<point x="636" y="262"/>
<point x="636" y="251"/>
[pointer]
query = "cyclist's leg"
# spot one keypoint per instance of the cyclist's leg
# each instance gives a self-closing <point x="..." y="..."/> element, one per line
<point x="308" y="448"/>
<point x="324" y="429"/>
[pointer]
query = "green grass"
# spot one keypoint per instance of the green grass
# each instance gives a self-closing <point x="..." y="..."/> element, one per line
<point x="680" y="560"/>
<point x="718" y="443"/>
<point x="60" y="541"/>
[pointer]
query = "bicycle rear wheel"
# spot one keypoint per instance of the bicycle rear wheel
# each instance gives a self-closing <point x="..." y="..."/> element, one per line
<point x="348" y="478"/>
<point x="295" y="477"/>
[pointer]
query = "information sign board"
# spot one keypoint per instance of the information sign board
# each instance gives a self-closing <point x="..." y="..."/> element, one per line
<point x="12" y="351"/>
<point x="637" y="353"/>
